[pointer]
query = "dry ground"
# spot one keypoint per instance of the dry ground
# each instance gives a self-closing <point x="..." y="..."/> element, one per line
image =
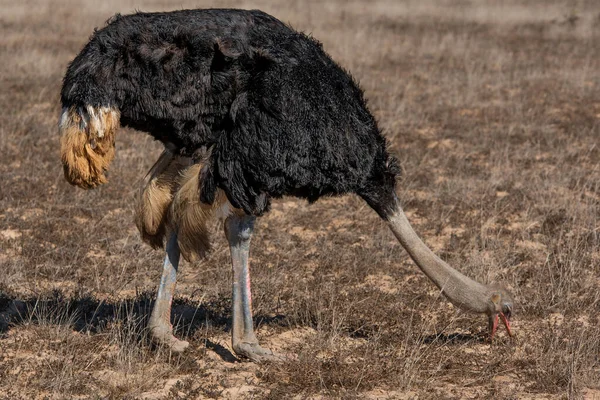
<point x="493" y="108"/>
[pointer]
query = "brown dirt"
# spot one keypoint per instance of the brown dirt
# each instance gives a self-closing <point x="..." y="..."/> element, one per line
<point x="494" y="110"/>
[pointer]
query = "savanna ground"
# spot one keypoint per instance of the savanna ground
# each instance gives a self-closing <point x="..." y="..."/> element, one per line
<point x="493" y="108"/>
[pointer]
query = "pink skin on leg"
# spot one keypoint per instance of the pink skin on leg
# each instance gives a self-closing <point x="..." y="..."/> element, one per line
<point x="248" y="290"/>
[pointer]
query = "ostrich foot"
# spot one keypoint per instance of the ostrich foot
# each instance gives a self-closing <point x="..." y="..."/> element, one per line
<point x="254" y="352"/>
<point x="164" y="336"/>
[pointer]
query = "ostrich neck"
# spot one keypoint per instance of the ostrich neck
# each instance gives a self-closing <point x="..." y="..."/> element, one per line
<point x="458" y="288"/>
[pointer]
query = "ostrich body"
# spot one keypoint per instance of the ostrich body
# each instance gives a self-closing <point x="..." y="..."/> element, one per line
<point x="273" y="116"/>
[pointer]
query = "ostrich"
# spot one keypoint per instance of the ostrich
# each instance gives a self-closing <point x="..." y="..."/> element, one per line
<point x="249" y="110"/>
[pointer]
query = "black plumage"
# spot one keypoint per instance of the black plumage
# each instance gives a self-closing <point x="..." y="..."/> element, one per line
<point x="277" y="114"/>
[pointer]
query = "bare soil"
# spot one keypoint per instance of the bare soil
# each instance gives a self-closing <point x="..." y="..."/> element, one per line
<point x="493" y="108"/>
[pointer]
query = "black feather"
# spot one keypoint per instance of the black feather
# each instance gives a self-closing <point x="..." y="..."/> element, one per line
<point x="279" y="115"/>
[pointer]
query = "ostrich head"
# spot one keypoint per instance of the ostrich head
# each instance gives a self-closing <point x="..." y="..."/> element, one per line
<point x="500" y="307"/>
<point x="87" y="143"/>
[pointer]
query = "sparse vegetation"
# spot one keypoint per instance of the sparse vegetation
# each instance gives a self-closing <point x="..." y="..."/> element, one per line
<point x="493" y="109"/>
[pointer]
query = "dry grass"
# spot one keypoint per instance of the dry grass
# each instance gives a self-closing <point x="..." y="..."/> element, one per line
<point x="493" y="108"/>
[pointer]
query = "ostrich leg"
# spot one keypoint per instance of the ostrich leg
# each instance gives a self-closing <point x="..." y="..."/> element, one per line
<point x="160" y="326"/>
<point x="238" y="230"/>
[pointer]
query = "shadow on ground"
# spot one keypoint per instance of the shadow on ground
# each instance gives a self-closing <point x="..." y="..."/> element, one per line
<point x="88" y="314"/>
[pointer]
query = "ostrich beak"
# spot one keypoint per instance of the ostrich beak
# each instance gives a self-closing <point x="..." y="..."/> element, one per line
<point x="506" y="320"/>
<point x="494" y="324"/>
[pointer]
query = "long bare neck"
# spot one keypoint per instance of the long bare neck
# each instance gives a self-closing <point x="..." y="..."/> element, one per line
<point x="458" y="288"/>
